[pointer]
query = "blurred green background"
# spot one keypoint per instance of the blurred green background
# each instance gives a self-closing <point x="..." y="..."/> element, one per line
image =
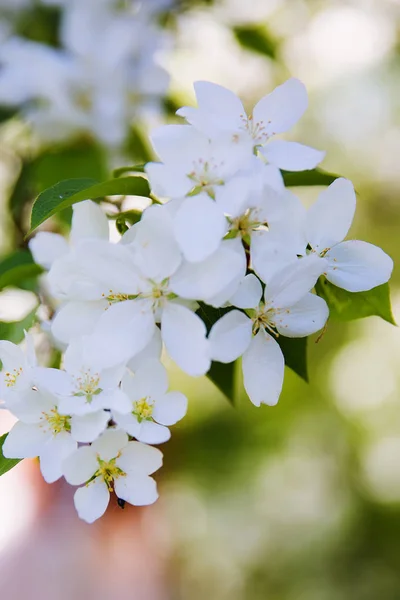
<point x="300" y="501"/>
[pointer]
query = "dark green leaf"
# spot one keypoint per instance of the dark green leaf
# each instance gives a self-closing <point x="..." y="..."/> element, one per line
<point x="132" y="169"/>
<point x="6" y="464"/>
<point x="14" y="331"/>
<point x="257" y="39"/>
<point x="295" y="353"/>
<point x="18" y="267"/>
<point x="347" y="306"/>
<point x="69" y="192"/>
<point x="306" y="178"/>
<point x="223" y="376"/>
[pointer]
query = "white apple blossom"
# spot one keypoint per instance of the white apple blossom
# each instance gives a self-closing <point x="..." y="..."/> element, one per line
<point x="287" y="308"/>
<point x="220" y="112"/>
<point x="19" y="370"/>
<point x="44" y="432"/>
<point x="352" y="265"/>
<point x="112" y="463"/>
<point x="152" y="408"/>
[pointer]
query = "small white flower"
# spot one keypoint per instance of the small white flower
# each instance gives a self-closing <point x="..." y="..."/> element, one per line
<point x="220" y="112"/>
<point x="44" y="432"/>
<point x="19" y="370"/>
<point x="287" y="309"/>
<point x="112" y="463"/>
<point x="152" y="409"/>
<point x="352" y="265"/>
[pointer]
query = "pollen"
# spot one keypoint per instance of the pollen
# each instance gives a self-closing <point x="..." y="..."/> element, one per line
<point x="109" y="471"/>
<point x="143" y="409"/>
<point x="56" y="422"/>
<point x="11" y="377"/>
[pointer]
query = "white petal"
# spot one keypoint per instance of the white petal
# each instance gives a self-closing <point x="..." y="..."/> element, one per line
<point x="140" y="458"/>
<point x="91" y="501"/>
<point x="151" y="351"/>
<point x="123" y="331"/>
<point x="282" y="108"/>
<point x="199" y="227"/>
<point x="152" y="433"/>
<point x="127" y="422"/>
<point x="214" y="98"/>
<point x="329" y="218"/>
<point x="54" y="453"/>
<point x="168" y="181"/>
<point x="111" y="265"/>
<point x="230" y="336"/>
<point x="88" y="221"/>
<point x="87" y="428"/>
<point x="47" y="247"/>
<point x="269" y="255"/>
<point x="136" y="489"/>
<point x="80" y="466"/>
<point x="248" y="294"/>
<point x="184" y="335"/>
<point x="157" y="254"/>
<point x="53" y="381"/>
<point x="175" y="142"/>
<point x="150" y="379"/>
<point x="170" y="409"/>
<point x="30" y="406"/>
<point x="263" y="370"/>
<point x="303" y="318"/>
<point x="24" y="441"/>
<point x="291" y="156"/>
<point x="74" y="319"/>
<point x="110" y="443"/>
<point x="291" y="283"/>
<point x="203" y="280"/>
<point x="358" y="266"/>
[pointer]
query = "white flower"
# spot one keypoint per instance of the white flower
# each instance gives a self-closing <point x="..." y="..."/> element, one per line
<point x="44" y="432"/>
<point x="86" y="387"/>
<point x="152" y="407"/>
<point x="287" y="309"/>
<point x="352" y="265"/>
<point x="112" y="463"/>
<point x="191" y="163"/>
<point x="19" y="370"/>
<point x="220" y="112"/>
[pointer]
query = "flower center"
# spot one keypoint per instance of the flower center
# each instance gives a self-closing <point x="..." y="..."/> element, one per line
<point x="56" y="422"/>
<point x="204" y="176"/>
<point x="264" y="318"/>
<point x="88" y="385"/>
<point x="12" y="376"/>
<point x="143" y="409"/>
<point x="109" y="471"/>
<point x="256" y="129"/>
<point x="246" y="223"/>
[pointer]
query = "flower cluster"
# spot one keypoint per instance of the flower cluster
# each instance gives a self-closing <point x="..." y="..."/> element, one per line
<point x="225" y="233"/>
<point x="104" y="75"/>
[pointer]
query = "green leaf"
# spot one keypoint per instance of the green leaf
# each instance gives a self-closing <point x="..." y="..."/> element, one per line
<point x="347" y="306"/>
<point x="257" y="39"/>
<point x="133" y="169"/>
<point x="18" y="267"/>
<point x="223" y="376"/>
<point x="14" y="331"/>
<point x="6" y="464"/>
<point x="295" y="353"/>
<point x="307" y="178"/>
<point x="69" y="192"/>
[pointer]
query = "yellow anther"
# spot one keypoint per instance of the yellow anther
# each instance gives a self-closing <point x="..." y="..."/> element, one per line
<point x="57" y="422"/>
<point x="11" y="377"/>
<point x="143" y="409"/>
<point x="109" y="471"/>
